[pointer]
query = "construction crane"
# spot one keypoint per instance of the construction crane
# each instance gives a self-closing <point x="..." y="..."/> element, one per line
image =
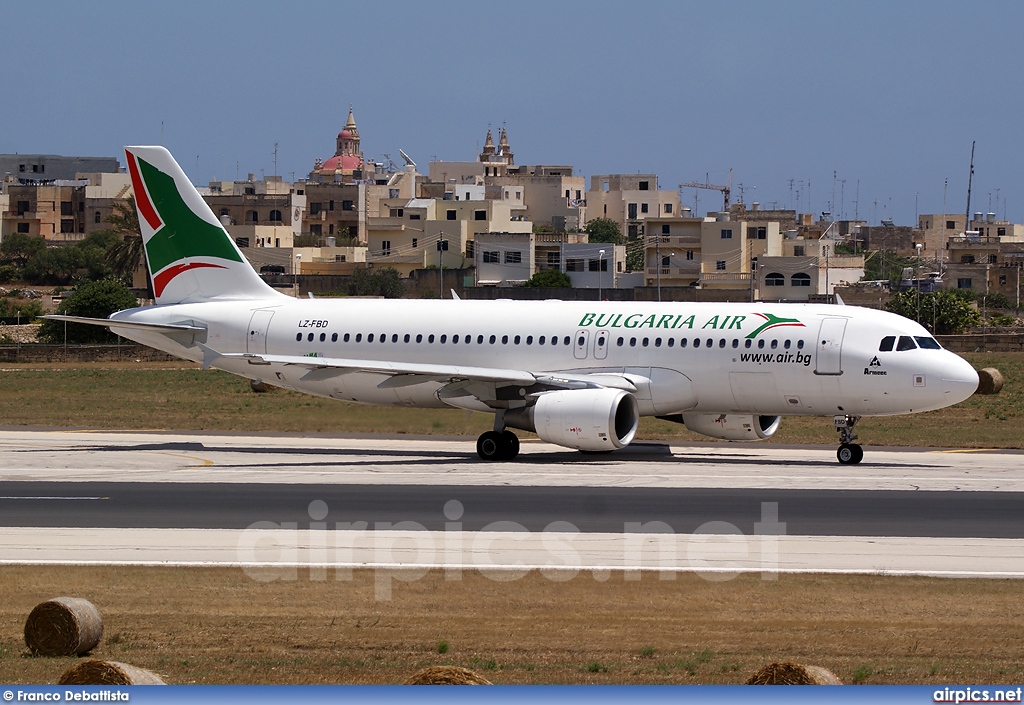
<point x="715" y="187"/>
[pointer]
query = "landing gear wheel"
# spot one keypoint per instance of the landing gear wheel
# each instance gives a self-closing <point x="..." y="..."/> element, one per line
<point x="509" y="445"/>
<point x="489" y="445"/>
<point x="850" y="454"/>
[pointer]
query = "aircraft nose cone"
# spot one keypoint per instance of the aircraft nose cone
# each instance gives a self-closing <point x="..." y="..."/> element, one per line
<point x="959" y="380"/>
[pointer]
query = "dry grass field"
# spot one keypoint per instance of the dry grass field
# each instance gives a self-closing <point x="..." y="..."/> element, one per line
<point x="183" y="397"/>
<point x="220" y="626"/>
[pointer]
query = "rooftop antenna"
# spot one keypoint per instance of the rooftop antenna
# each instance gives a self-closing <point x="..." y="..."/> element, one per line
<point x="970" y="178"/>
<point x="275" y="158"/>
<point x="407" y="158"/>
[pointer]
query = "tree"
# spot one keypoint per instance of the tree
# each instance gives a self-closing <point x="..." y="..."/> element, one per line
<point x="124" y="255"/>
<point x="604" y="230"/>
<point x="950" y="311"/>
<point x="18" y="248"/>
<point x="93" y="299"/>
<point x="384" y="282"/>
<point x="549" y="278"/>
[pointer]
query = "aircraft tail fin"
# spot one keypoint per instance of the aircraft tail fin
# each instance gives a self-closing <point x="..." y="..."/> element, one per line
<point x="190" y="255"/>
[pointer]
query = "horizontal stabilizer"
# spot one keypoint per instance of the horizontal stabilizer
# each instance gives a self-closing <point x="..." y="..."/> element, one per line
<point x="134" y="325"/>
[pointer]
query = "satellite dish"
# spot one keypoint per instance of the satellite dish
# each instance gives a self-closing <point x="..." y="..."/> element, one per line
<point x="407" y="158"/>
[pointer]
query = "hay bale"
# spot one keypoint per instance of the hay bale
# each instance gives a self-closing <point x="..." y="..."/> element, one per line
<point x="793" y="674"/>
<point x="990" y="381"/>
<point x="97" y="672"/>
<point x="446" y="675"/>
<point x="63" y="626"/>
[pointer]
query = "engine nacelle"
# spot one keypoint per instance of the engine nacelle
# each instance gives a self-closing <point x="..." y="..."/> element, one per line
<point x="733" y="427"/>
<point x="584" y="419"/>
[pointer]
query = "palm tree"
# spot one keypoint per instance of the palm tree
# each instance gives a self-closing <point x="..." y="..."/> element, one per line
<point x="125" y="256"/>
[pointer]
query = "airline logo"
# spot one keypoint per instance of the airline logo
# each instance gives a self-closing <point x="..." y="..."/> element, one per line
<point x="681" y="321"/>
<point x="181" y="240"/>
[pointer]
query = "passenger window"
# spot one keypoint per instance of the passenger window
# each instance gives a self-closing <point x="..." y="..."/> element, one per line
<point x="887" y="343"/>
<point x="657" y="342"/>
<point x="600" y="341"/>
<point x="775" y="344"/>
<point x="359" y="337"/>
<point x="529" y="340"/>
<point x="492" y="339"/>
<point x="430" y="338"/>
<point x="406" y="338"/>
<point x="346" y="337"/>
<point x="735" y="343"/>
<point x="747" y="343"/>
<point x="310" y="337"/>
<point x="632" y="342"/>
<point x="721" y="343"/>
<point x="682" y="342"/>
<point x="394" y="337"/>
<point x="504" y="340"/>
<point x="444" y="339"/>
<point x="383" y="337"/>
<point x="580" y="341"/>
<point x="905" y="343"/>
<point x="786" y="345"/>
<point x="696" y="342"/>
<point x="334" y="337"/>
<point x="540" y="340"/>
<point x="646" y="342"/>
<point x="298" y="336"/>
<point x="323" y="337"/>
<point x="516" y="340"/>
<point x="566" y="341"/>
<point x="455" y="339"/>
<point x="671" y="342"/>
<point x="799" y="345"/>
<point x="369" y="338"/>
<point x="927" y="343"/>
<point x="419" y="337"/>
<point x="760" y="344"/>
<point x="479" y="340"/>
<point x="620" y="342"/>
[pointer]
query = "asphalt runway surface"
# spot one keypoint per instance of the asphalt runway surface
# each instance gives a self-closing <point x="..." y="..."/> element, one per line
<point x="588" y="509"/>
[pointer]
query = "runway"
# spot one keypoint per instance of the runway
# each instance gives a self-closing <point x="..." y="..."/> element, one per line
<point x="266" y="501"/>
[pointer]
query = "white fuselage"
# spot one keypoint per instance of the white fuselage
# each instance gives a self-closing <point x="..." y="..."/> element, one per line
<point x="696" y="357"/>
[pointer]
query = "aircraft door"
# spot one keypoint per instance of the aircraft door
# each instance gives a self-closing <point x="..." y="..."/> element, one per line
<point x="582" y="344"/>
<point x="259" y="324"/>
<point x="601" y="345"/>
<point x="830" y="347"/>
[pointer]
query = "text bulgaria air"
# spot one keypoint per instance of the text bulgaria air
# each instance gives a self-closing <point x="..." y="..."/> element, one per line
<point x="668" y="320"/>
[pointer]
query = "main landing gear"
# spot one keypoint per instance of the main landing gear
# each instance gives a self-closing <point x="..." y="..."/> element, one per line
<point x="849" y="453"/>
<point x="497" y="445"/>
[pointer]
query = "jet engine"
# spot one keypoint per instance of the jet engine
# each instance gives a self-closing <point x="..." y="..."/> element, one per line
<point x="732" y="427"/>
<point x="584" y="419"/>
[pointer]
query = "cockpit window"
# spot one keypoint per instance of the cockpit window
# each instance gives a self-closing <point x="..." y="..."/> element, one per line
<point x="905" y="343"/>
<point x="927" y="343"/>
<point x="887" y="343"/>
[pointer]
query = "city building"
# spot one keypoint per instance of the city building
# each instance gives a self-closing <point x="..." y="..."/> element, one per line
<point x="46" y="168"/>
<point x="629" y="200"/>
<point x="806" y="268"/>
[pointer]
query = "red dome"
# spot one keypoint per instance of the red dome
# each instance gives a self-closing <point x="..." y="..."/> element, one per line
<point x="345" y="135"/>
<point x="346" y="162"/>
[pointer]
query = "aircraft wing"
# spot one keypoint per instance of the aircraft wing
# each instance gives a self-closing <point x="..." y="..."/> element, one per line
<point x="407" y="373"/>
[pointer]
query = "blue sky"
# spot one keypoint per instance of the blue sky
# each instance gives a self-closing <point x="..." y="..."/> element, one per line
<point x="888" y="95"/>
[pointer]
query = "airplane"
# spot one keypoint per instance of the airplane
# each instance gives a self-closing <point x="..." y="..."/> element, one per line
<point x="577" y="374"/>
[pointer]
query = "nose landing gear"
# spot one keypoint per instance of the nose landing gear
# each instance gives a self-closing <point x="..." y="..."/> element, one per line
<point x="849" y="453"/>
